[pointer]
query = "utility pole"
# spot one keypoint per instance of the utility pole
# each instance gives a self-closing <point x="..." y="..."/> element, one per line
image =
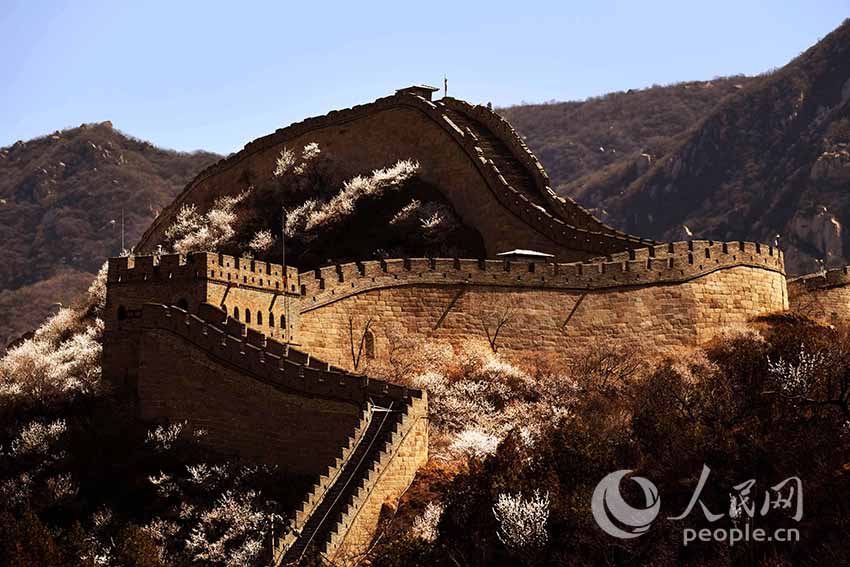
<point x="122" y="231"/>
<point x="284" y="275"/>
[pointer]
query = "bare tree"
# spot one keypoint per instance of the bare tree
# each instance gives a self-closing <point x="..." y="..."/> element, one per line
<point x="357" y="336"/>
<point x="493" y="321"/>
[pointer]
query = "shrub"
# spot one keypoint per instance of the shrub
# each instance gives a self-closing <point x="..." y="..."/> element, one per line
<point x="425" y="526"/>
<point x="193" y="231"/>
<point x="311" y="216"/>
<point x="60" y="361"/>
<point x="522" y="522"/>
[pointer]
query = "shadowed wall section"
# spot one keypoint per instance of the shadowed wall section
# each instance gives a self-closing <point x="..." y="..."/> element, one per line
<point x="823" y="295"/>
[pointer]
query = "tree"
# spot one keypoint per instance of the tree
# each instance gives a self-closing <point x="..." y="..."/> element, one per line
<point x="358" y="336"/>
<point x="493" y="321"/>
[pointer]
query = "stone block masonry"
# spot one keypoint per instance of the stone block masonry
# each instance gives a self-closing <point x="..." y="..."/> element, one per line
<point x="264" y="401"/>
<point x="823" y="295"/>
<point x="476" y="180"/>
<point x="665" y="296"/>
<point x="256" y="353"/>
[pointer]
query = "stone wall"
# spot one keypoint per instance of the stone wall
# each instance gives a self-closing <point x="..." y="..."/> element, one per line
<point x="250" y="288"/>
<point x="824" y="295"/>
<point x="673" y="295"/>
<point x="242" y="416"/>
<point x="387" y="481"/>
<point x="256" y="397"/>
<point x="405" y="126"/>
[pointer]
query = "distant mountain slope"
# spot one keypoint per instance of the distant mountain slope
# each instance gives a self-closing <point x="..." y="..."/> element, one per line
<point x="575" y="139"/>
<point x="59" y="196"/>
<point x="772" y="158"/>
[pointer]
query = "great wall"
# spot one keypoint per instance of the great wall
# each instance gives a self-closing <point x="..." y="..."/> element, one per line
<point x="261" y="356"/>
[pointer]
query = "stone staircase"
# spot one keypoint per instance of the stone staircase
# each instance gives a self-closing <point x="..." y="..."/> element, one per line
<point x="374" y="464"/>
<point x="328" y="510"/>
<point x="499" y="153"/>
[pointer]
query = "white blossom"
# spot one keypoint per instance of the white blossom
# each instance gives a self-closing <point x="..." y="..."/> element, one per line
<point x="522" y="523"/>
<point x="162" y="438"/>
<point x="61" y="487"/>
<point x="38" y="438"/>
<point x="230" y="533"/>
<point x="97" y="290"/>
<point x="796" y="379"/>
<point x="425" y="525"/>
<point x="474" y="443"/>
<point x="284" y="162"/>
<point x="308" y="155"/>
<point x="165" y="485"/>
<point x="262" y="241"/>
<point x="192" y="231"/>
<point x="406" y="212"/>
<point x="311" y="215"/>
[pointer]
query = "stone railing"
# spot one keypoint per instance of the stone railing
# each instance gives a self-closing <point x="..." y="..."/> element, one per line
<point x="414" y="413"/>
<point x="279" y="545"/>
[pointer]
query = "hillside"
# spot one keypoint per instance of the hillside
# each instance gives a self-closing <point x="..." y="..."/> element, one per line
<point x="61" y="199"/>
<point x="575" y="139"/>
<point x="772" y="158"/>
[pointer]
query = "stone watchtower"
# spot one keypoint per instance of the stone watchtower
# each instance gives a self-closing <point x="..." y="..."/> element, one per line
<point x="261" y="295"/>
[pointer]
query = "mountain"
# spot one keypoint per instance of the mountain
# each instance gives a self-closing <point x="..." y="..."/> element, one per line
<point x="61" y="202"/>
<point x="581" y="138"/>
<point x="771" y="158"/>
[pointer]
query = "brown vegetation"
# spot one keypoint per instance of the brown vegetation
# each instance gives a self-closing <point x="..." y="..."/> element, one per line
<point x="768" y="405"/>
<point x="61" y="199"/>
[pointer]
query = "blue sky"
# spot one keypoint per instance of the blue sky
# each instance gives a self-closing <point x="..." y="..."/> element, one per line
<point x="214" y="75"/>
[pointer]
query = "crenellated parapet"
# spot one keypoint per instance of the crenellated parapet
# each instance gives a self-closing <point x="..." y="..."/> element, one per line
<point x="824" y="294"/>
<point x="567" y="209"/>
<point x="264" y="400"/>
<point x="214" y="267"/>
<point x="564" y="224"/>
<point x="660" y="264"/>
<point x="820" y="280"/>
<point x="270" y="361"/>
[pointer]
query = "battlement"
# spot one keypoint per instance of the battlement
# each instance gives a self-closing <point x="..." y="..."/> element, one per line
<point x="663" y="263"/>
<point x="568" y="209"/>
<point x="834" y="277"/>
<point x="268" y="360"/>
<point x="560" y="222"/>
<point x="214" y="267"/>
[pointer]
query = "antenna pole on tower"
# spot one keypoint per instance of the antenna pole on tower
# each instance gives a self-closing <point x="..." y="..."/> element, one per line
<point x="445" y="86"/>
<point x="122" y="230"/>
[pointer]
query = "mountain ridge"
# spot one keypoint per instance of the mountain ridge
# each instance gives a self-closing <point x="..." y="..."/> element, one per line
<point x="61" y="201"/>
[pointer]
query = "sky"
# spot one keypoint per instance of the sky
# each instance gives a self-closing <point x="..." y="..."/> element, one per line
<point x="214" y="75"/>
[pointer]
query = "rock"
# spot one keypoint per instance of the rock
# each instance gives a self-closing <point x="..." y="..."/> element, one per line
<point x="823" y="231"/>
<point x="833" y="165"/>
